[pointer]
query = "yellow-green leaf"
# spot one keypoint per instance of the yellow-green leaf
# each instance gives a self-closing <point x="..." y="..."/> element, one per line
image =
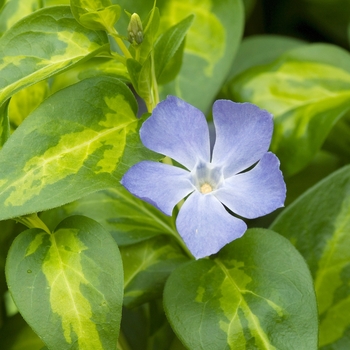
<point x="256" y="293"/>
<point x="68" y="285"/>
<point x="79" y="140"/>
<point x="43" y="44"/>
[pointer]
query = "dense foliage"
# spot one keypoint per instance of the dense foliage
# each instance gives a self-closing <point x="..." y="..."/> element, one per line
<point x="87" y="265"/>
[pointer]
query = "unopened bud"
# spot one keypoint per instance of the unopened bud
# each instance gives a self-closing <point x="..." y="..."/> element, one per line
<point x="135" y="31"/>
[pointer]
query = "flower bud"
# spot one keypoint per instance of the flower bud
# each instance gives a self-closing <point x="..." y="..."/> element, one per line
<point x="135" y="31"/>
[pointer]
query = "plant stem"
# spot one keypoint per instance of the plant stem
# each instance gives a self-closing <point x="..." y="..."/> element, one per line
<point x="120" y="43"/>
<point x="32" y="221"/>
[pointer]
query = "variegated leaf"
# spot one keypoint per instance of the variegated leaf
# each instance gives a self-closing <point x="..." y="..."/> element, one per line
<point x="257" y="293"/>
<point x="147" y="265"/>
<point x="81" y="139"/>
<point x="128" y="219"/>
<point x="14" y="10"/>
<point x="68" y="285"/>
<point x="43" y="44"/>
<point x="318" y="224"/>
<point x="307" y="89"/>
<point x="210" y="47"/>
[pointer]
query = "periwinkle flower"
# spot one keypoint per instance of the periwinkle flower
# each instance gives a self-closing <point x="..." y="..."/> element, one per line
<point x="240" y="173"/>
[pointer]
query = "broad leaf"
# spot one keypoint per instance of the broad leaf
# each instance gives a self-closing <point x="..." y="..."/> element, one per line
<point x="147" y="265"/>
<point x="43" y="44"/>
<point x="127" y="218"/>
<point x="211" y="44"/>
<point x="307" y="90"/>
<point x="68" y="285"/>
<point x="94" y="67"/>
<point x="14" y="10"/>
<point x="257" y="293"/>
<point x="318" y="224"/>
<point x="25" y="101"/>
<point x="81" y="139"/>
<point x="261" y="49"/>
<point x="96" y="14"/>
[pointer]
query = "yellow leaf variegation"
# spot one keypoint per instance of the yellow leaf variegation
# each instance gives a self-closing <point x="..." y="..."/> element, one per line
<point x="248" y="295"/>
<point x="68" y="284"/>
<point x="71" y="145"/>
<point x="43" y="44"/>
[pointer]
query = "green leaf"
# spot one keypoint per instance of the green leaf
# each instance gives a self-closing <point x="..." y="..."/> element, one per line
<point x="68" y="285"/>
<point x="96" y="14"/>
<point x="150" y="29"/>
<point x="25" y="101"/>
<point x="4" y="123"/>
<point x="14" y="10"/>
<point x="261" y="49"/>
<point x="80" y="140"/>
<point x="169" y="43"/>
<point x="307" y="90"/>
<point x="127" y="218"/>
<point x="257" y="293"/>
<point x="94" y="67"/>
<point x="43" y="44"/>
<point x="211" y="44"/>
<point x="318" y="224"/>
<point x="210" y="47"/>
<point x="147" y="266"/>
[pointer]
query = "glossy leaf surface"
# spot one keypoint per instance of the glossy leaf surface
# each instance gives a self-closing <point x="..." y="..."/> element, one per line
<point x="147" y="265"/>
<point x="68" y="284"/>
<point x="318" y="224"/>
<point x="83" y="137"/>
<point x="249" y="296"/>
<point x="211" y="44"/>
<point x="50" y="40"/>
<point x="307" y="90"/>
<point x="129" y="219"/>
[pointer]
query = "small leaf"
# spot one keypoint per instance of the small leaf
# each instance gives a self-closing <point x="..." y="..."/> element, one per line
<point x="128" y="219"/>
<point x="147" y="266"/>
<point x="169" y="43"/>
<point x="43" y="44"/>
<point x="257" y="293"/>
<point x="68" y="285"/>
<point x="83" y="137"/>
<point x="318" y="224"/>
<point x="210" y="47"/>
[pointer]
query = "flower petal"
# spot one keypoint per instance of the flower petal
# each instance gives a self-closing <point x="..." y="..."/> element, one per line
<point x="159" y="184"/>
<point x="179" y="131"/>
<point x="206" y="226"/>
<point x="256" y="192"/>
<point x="243" y="135"/>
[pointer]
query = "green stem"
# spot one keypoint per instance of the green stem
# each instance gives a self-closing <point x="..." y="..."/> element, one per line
<point x="154" y="85"/>
<point x="32" y="221"/>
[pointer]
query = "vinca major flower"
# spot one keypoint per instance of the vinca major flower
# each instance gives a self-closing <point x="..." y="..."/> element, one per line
<point x="238" y="175"/>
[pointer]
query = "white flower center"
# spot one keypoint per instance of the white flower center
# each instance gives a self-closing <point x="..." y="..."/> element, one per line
<point x="206" y="188"/>
<point x="207" y="178"/>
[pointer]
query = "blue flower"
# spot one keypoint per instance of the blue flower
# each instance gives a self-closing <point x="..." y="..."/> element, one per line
<point x="240" y="174"/>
